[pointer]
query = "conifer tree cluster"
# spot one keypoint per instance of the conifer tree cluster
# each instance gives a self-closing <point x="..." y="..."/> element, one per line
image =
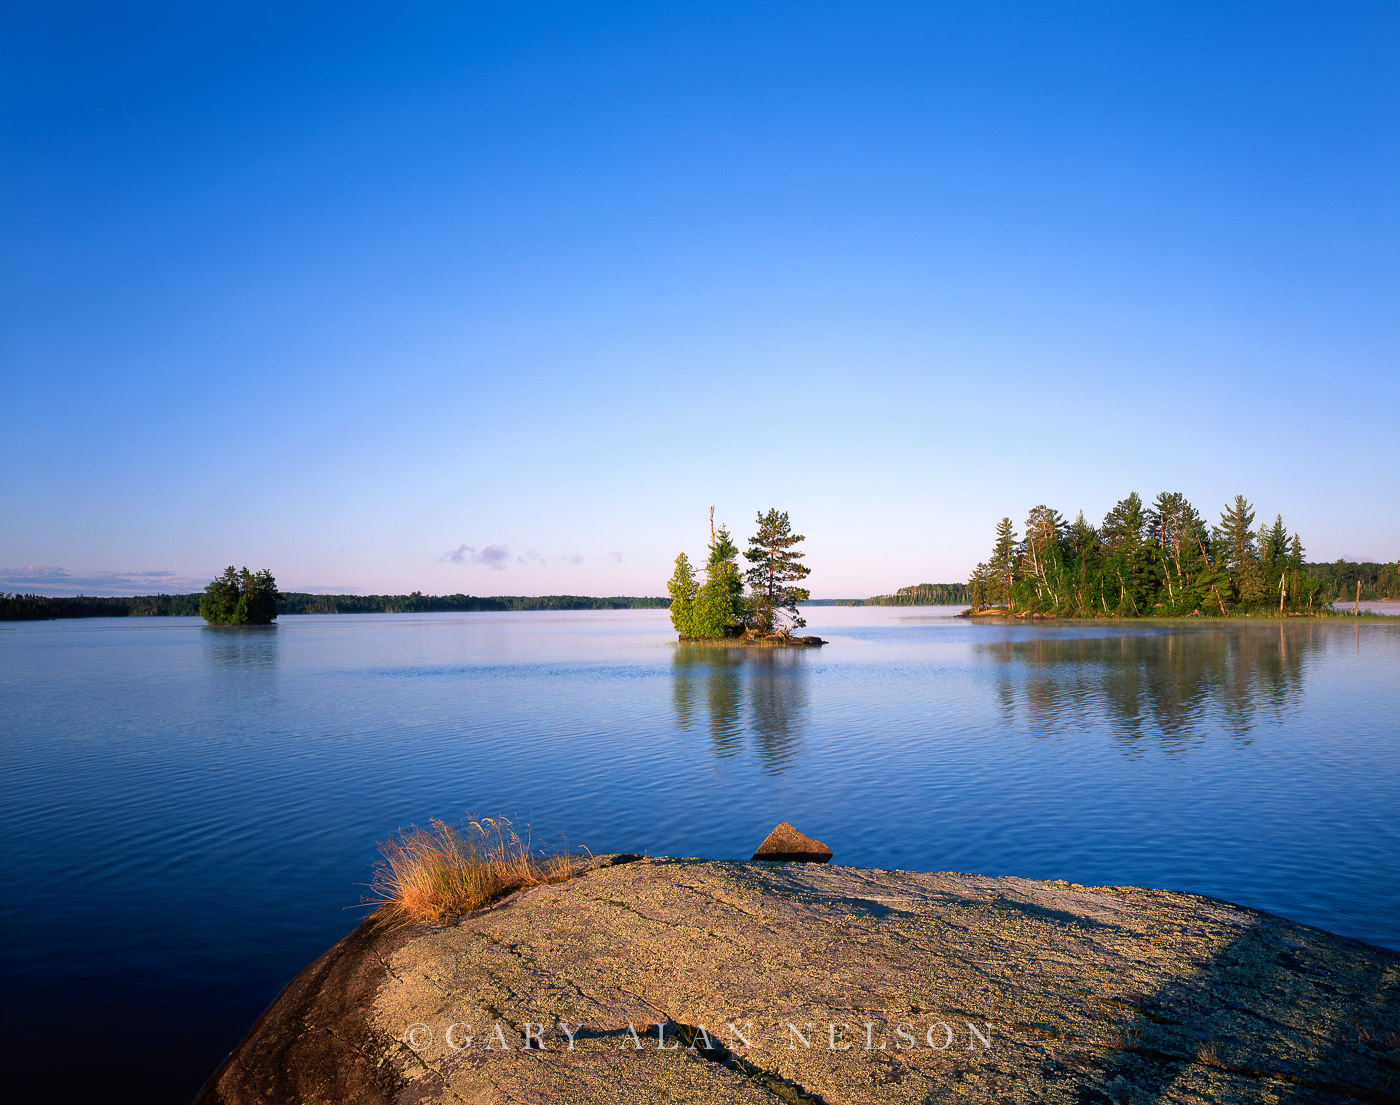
<point x="716" y="605"/>
<point x="240" y="598"/>
<point x="1142" y="561"/>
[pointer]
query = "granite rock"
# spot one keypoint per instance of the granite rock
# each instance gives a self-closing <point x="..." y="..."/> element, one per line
<point x="838" y="985"/>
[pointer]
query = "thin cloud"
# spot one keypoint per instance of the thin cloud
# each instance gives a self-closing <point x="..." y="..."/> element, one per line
<point x="499" y="557"/>
<point x="56" y="581"/>
<point x="492" y="556"/>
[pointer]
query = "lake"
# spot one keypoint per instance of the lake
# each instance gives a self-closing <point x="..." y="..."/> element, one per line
<point x="190" y="813"/>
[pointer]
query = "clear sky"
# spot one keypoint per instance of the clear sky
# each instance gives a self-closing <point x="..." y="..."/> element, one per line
<point x="499" y="298"/>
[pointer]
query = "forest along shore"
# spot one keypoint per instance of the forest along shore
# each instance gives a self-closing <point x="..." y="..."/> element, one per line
<point x="1163" y="561"/>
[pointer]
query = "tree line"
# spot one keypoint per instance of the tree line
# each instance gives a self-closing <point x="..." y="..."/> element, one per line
<point x="27" y="607"/>
<point x="921" y="594"/>
<point x="1339" y="579"/>
<point x="16" y="607"/>
<point x="419" y="603"/>
<point x="1163" y="560"/>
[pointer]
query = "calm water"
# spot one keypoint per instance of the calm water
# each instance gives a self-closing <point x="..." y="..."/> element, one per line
<point x="189" y="813"/>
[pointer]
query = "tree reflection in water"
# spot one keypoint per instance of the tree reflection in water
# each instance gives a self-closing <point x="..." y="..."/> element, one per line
<point x="743" y="697"/>
<point x="1174" y="685"/>
<point x="240" y="648"/>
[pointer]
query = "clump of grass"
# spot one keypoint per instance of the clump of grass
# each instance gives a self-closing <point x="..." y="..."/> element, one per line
<point x="438" y="873"/>
<point x="1208" y="1054"/>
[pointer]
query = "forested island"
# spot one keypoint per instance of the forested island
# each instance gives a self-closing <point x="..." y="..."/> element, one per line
<point x="1160" y="561"/>
<point x="240" y="598"/>
<point x="717" y="608"/>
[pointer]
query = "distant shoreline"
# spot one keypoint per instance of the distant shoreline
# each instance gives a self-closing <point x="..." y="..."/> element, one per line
<point x="29" y="607"/>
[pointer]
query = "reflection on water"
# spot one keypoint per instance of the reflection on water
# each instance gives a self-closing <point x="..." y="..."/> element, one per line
<point x="743" y="697"/>
<point x="249" y="648"/>
<point x="1172" y="686"/>
<point x="213" y="796"/>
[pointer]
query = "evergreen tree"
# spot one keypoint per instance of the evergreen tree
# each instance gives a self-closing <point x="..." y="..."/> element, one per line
<point x="724" y="564"/>
<point x="712" y="608"/>
<point x="1003" y="563"/>
<point x="1084" y="553"/>
<point x="219" y="603"/>
<point x="1179" y="535"/>
<point x="1128" y="560"/>
<point x="684" y="591"/>
<point x="1273" y="545"/>
<point x="713" y="611"/>
<point x="977" y="588"/>
<point x="1209" y="582"/>
<point x="721" y="595"/>
<point x="1238" y="554"/>
<point x="257" y="599"/>
<point x="776" y="568"/>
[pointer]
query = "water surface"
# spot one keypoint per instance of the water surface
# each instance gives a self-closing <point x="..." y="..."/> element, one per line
<point x="190" y="813"/>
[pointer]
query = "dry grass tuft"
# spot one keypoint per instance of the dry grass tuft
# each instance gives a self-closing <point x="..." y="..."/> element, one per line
<point x="1207" y="1054"/>
<point x="439" y="873"/>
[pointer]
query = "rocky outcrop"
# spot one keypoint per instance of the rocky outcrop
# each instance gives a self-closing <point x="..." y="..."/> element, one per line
<point x="786" y="845"/>
<point x="687" y="981"/>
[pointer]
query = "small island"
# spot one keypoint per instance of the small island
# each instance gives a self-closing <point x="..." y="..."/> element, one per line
<point x="240" y="598"/>
<point x="717" y="611"/>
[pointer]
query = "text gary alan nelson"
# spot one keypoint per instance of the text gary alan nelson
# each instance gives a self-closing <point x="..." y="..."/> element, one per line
<point x="669" y="1036"/>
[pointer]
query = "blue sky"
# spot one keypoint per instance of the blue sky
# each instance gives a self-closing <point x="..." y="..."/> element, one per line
<point x="500" y="298"/>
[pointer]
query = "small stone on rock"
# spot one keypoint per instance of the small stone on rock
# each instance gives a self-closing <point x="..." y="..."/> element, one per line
<point x="786" y="845"/>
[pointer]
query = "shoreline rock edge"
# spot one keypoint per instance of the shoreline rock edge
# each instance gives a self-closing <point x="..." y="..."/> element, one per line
<point x="1085" y="994"/>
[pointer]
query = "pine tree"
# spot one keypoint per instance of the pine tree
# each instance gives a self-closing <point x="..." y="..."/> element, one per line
<point x="1237" y="551"/>
<point x="1178" y="533"/>
<point x="1233" y="538"/>
<point x="1273" y="546"/>
<point x="257" y="599"/>
<point x="1004" y="562"/>
<point x="777" y="566"/>
<point x="1084" y="552"/>
<point x="219" y="603"/>
<point x="1128" y="556"/>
